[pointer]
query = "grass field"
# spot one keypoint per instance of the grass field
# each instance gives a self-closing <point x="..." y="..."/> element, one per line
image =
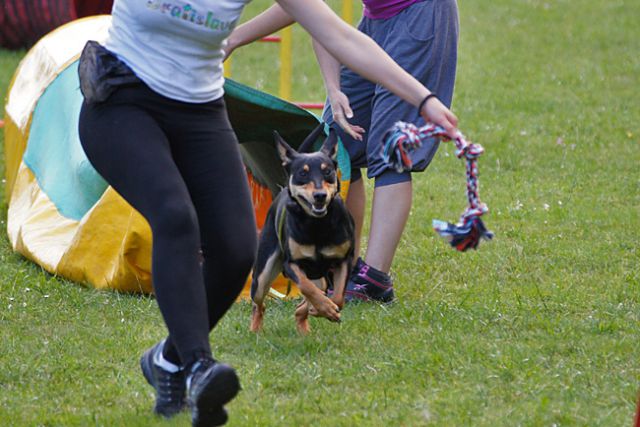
<point x="538" y="328"/>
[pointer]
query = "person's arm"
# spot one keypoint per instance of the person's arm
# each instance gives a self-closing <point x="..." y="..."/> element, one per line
<point x="275" y="19"/>
<point x="362" y="55"/>
<point x="340" y="107"/>
<point x="268" y="22"/>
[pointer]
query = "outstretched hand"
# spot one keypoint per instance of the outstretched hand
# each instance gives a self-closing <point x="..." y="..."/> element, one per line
<point x="229" y="47"/>
<point x="436" y="112"/>
<point x="341" y="112"/>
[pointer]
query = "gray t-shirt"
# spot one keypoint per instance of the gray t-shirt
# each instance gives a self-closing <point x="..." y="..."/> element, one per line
<point x="175" y="47"/>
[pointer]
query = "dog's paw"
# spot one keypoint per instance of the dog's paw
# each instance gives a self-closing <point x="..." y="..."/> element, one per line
<point x="303" y="327"/>
<point x="327" y="309"/>
<point x="338" y="300"/>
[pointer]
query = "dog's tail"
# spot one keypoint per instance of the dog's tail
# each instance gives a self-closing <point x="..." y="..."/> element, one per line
<point x="307" y="144"/>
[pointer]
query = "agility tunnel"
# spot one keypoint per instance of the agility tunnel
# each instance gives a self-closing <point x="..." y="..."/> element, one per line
<point x="63" y="216"/>
<point x="24" y="22"/>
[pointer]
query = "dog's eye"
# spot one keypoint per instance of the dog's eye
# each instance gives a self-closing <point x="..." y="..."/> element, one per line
<point x="328" y="172"/>
<point x="302" y="174"/>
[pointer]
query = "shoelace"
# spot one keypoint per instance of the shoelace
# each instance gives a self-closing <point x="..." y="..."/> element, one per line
<point x="170" y="386"/>
<point x="403" y="138"/>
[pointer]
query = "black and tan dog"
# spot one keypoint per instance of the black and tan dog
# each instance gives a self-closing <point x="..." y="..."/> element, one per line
<point x="308" y="235"/>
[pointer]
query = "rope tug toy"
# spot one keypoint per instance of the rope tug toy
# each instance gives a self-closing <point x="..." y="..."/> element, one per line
<point x="402" y="139"/>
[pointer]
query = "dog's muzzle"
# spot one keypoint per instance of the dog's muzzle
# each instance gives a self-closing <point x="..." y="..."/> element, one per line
<point x="319" y="205"/>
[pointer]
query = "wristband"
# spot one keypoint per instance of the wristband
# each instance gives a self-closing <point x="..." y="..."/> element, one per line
<point x="424" y="101"/>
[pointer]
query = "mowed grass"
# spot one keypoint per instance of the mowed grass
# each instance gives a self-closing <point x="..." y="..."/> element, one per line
<point x="538" y="328"/>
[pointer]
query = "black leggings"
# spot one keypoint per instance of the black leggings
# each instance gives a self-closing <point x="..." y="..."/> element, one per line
<point x="179" y="165"/>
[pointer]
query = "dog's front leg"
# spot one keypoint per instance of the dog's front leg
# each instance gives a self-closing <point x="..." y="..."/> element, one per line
<point x="322" y="285"/>
<point x="302" y="317"/>
<point x="340" y="283"/>
<point x="320" y="302"/>
<point x="257" y="317"/>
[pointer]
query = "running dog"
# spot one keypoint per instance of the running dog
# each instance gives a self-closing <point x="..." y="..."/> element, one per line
<point x="308" y="235"/>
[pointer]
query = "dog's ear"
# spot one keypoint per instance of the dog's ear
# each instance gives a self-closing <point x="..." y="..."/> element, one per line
<point x="285" y="152"/>
<point x="330" y="145"/>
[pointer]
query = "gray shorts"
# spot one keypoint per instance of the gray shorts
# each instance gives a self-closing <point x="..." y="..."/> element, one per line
<point x="422" y="39"/>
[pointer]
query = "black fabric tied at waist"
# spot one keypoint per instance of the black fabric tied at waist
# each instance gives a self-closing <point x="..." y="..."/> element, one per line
<point x="101" y="73"/>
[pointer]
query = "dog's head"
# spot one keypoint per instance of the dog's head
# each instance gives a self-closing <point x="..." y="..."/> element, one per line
<point x="313" y="181"/>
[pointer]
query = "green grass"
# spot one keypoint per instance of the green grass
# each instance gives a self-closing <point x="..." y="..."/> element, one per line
<point x="538" y="328"/>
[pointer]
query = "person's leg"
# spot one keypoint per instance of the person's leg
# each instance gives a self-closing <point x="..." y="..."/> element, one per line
<point x="128" y="148"/>
<point x="209" y="159"/>
<point x="205" y="150"/>
<point x="127" y="142"/>
<point x="387" y="224"/>
<point x="356" y="202"/>
<point x="423" y="40"/>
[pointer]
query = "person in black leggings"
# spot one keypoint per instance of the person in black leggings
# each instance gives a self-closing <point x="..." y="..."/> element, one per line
<point x="179" y="165"/>
<point x="165" y="144"/>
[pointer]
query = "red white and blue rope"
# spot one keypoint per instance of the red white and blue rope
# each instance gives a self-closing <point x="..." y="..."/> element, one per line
<point x="403" y="138"/>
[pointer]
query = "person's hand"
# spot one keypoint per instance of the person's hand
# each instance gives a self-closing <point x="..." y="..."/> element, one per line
<point x="341" y="112"/>
<point x="435" y="111"/>
<point x="229" y="48"/>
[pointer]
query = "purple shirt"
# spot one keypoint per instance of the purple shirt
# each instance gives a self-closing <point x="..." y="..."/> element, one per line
<point x="384" y="9"/>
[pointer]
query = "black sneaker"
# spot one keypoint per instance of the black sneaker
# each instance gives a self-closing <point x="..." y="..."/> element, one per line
<point x="210" y="385"/>
<point x="362" y="287"/>
<point x="170" y="386"/>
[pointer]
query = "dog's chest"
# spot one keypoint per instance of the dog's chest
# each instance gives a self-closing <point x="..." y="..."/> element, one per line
<point x="326" y="241"/>
<point x="299" y="251"/>
<point x="317" y="259"/>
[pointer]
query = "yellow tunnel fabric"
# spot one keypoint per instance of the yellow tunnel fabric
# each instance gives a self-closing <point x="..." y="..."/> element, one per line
<point x="107" y="246"/>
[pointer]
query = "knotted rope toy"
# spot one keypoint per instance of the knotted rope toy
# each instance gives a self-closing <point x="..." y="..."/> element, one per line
<point x="402" y="139"/>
